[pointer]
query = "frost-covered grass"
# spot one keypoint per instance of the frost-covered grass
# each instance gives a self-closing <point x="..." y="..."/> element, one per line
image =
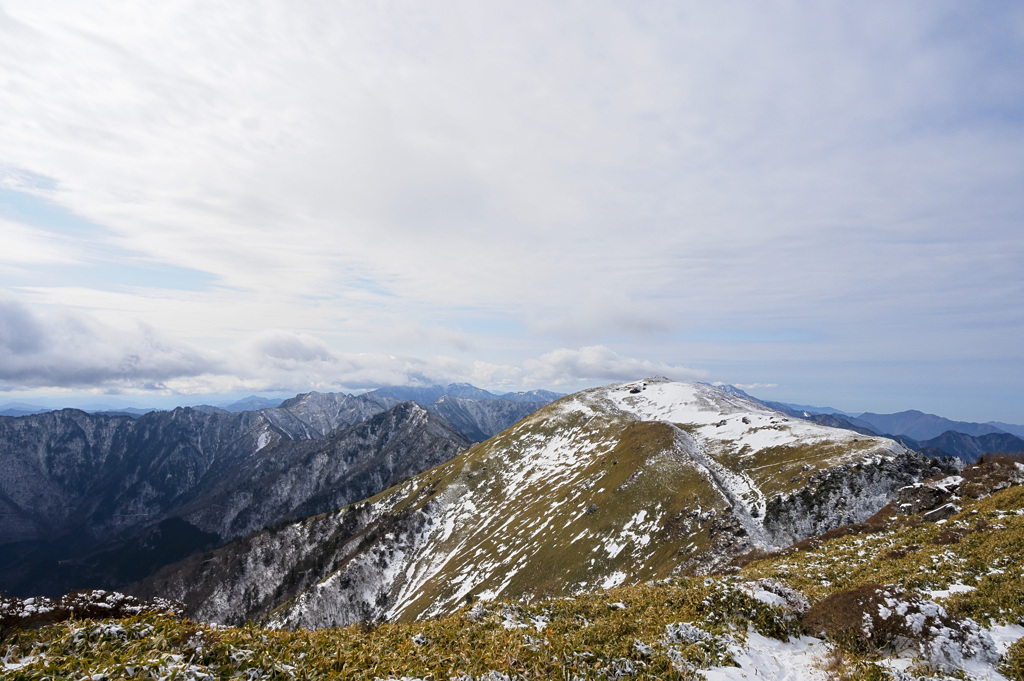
<point x="668" y="630"/>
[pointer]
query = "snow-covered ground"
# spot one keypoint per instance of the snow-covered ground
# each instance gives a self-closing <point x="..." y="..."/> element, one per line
<point x="801" y="659"/>
<point x="749" y="426"/>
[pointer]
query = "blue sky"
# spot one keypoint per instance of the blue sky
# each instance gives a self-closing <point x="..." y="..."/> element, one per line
<point x="821" y="202"/>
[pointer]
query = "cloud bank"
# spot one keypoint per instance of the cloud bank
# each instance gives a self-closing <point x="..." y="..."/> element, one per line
<point x="72" y="350"/>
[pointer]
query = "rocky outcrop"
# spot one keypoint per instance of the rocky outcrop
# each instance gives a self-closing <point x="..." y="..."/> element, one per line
<point x="845" y="494"/>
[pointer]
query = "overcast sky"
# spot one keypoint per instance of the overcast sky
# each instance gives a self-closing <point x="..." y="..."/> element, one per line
<point x="823" y="202"/>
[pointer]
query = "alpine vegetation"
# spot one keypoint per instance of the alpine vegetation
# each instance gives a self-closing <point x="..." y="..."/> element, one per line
<point x="614" y="485"/>
<point x="908" y="594"/>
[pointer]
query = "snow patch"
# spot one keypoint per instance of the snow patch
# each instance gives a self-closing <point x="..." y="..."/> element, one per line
<point x="772" y="660"/>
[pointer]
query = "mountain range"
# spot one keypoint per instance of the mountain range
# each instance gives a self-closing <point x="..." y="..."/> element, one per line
<point x="934" y="435"/>
<point x="626" y="483"/>
<point x="106" y="499"/>
<point x="102" y="500"/>
<point x="578" y="529"/>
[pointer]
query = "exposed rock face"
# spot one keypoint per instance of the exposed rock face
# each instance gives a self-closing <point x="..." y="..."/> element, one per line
<point x="843" y="495"/>
<point x="626" y="483"/>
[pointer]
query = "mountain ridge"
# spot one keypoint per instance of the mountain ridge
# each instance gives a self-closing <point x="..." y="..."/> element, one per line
<point x="618" y="484"/>
<point x="78" y="483"/>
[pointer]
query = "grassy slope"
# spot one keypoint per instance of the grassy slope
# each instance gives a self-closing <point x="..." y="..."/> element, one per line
<point x="596" y="635"/>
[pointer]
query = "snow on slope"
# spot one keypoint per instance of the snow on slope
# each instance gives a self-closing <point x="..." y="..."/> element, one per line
<point x="720" y="416"/>
<point x="620" y="484"/>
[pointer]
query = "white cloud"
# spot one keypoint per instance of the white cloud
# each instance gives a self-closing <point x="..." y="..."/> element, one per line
<point x="68" y="350"/>
<point x="749" y="386"/>
<point x="73" y="351"/>
<point x="598" y="363"/>
<point x="384" y="176"/>
<point x="24" y="246"/>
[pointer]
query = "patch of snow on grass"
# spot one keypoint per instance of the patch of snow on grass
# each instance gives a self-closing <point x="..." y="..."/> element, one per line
<point x="720" y="416"/>
<point x="951" y="589"/>
<point x="613" y="580"/>
<point x="772" y="660"/>
<point x="1005" y="635"/>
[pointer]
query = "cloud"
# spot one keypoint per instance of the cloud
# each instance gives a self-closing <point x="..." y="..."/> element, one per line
<point x="749" y="386"/>
<point x="598" y="363"/>
<point x="283" y="346"/>
<point x="64" y="349"/>
<point x="384" y="176"/>
<point x="24" y="246"/>
<point x="577" y="167"/>
<point x="73" y="351"/>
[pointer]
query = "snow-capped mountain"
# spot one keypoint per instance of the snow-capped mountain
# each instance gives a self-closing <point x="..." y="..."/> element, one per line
<point x="624" y="483"/>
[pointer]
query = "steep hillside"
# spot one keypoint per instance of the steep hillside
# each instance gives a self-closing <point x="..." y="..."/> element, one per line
<point x="67" y="471"/>
<point x="620" y="484"/>
<point x="96" y="501"/>
<point x="930" y="588"/>
<point x="481" y="419"/>
<point x="298" y="478"/>
<point x="476" y="413"/>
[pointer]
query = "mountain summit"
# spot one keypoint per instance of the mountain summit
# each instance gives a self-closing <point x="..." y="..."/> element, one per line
<point x="619" y="484"/>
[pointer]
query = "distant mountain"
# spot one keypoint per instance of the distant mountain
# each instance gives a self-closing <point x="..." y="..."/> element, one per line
<point x="967" y="448"/>
<point x="481" y="419"/>
<point x="921" y="426"/>
<point x="251" y="403"/>
<point x="834" y="420"/>
<point x="476" y="413"/>
<point x="935" y="436"/>
<point x="970" y="448"/>
<point x="21" y="409"/>
<point x="1011" y="428"/>
<point x="210" y="409"/>
<point x="831" y="419"/>
<point x="810" y="409"/>
<point x="621" y="484"/>
<point x="826" y="416"/>
<point x="425" y="395"/>
<point x="795" y="410"/>
<point x="541" y="396"/>
<point x="428" y="394"/>
<point x="127" y="411"/>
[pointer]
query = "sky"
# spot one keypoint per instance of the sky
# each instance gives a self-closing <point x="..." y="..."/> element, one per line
<point x="820" y="203"/>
